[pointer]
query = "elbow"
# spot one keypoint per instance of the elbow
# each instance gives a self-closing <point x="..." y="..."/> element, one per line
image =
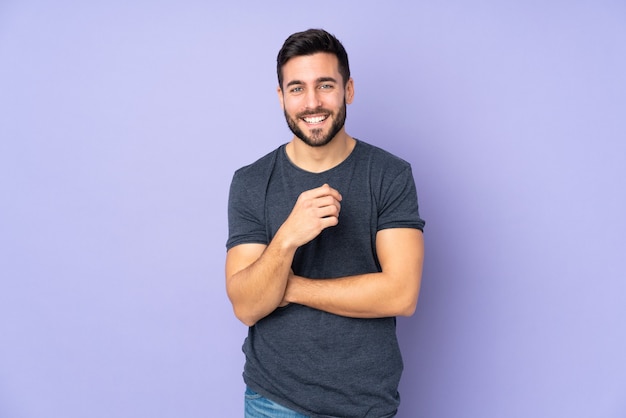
<point x="400" y="305"/>
<point x="249" y="312"/>
<point x="408" y="307"/>
<point x="247" y="322"/>
<point x="245" y="317"/>
<point x="241" y="310"/>
<point x="409" y="311"/>
<point x="407" y="301"/>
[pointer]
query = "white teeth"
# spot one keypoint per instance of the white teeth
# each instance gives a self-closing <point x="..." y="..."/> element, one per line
<point x="316" y="119"/>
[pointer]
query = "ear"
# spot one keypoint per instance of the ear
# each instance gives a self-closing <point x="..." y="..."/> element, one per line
<point x="349" y="91"/>
<point x="281" y="98"/>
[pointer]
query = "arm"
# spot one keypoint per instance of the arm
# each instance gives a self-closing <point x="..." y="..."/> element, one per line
<point x="257" y="275"/>
<point x="392" y="292"/>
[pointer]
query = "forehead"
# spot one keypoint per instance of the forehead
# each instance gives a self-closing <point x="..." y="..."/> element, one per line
<point x="311" y="67"/>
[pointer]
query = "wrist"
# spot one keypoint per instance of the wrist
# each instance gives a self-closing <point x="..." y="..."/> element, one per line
<point x="291" y="288"/>
<point x="283" y="242"/>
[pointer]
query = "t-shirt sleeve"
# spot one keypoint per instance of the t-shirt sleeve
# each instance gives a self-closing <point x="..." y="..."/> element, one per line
<point x="399" y="207"/>
<point x="245" y="212"/>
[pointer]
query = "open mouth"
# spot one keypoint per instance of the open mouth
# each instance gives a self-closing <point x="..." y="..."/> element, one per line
<point x="315" y="119"/>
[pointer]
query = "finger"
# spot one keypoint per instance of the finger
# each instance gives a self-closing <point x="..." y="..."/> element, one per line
<point x="324" y="190"/>
<point x="328" y="201"/>
<point x="329" y="221"/>
<point x="328" y="211"/>
<point x="331" y="192"/>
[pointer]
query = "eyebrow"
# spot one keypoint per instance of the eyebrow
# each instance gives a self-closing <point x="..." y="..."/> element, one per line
<point x="319" y="80"/>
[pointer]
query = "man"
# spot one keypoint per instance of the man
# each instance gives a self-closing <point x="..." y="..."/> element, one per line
<point x="325" y="249"/>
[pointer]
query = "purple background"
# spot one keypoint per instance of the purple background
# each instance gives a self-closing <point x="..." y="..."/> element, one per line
<point x="121" y="124"/>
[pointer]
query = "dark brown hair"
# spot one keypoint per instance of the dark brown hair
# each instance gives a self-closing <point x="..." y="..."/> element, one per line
<point x="310" y="42"/>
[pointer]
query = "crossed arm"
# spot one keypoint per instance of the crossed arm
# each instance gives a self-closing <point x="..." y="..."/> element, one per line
<point x="259" y="277"/>
<point x="392" y="292"/>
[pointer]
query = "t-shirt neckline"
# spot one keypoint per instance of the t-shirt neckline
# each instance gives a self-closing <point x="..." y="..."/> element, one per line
<point x="302" y="170"/>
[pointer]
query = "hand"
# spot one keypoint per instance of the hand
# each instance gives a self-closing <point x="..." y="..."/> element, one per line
<point x="314" y="211"/>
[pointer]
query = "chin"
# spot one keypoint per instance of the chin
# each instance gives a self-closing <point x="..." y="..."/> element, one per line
<point x="316" y="143"/>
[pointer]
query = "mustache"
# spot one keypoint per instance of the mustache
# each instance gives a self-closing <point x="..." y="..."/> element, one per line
<point x="318" y="111"/>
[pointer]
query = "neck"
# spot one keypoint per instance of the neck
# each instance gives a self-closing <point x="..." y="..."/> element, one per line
<point x="320" y="159"/>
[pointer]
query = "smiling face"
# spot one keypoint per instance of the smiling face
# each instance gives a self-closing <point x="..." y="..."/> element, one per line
<point x="314" y="97"/>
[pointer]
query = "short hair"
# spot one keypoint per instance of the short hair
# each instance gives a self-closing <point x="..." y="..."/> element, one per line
<point x="311" y="42"/>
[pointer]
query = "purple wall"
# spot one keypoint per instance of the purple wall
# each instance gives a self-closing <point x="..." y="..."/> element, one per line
<point x="120" y="128"/>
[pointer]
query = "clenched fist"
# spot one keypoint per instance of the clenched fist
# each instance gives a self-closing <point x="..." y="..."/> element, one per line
<point x="314" y="211"/>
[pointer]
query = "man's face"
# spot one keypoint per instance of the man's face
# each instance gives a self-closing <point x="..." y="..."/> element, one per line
<point x="314" y="98"/>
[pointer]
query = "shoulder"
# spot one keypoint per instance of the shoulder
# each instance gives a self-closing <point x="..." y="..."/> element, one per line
<point x="250" y="182"/>
<point x="261" y="166"/>
<point x="380" y="160"/>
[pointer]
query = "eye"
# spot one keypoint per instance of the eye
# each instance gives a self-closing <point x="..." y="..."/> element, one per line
<point x="326" y="86"/>
<point x="296" y="90"/>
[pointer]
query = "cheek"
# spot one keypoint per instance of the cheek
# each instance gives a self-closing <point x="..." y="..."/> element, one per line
<point x="292" y="106"/>
<point x="336" y="98"/>
<point x="288" y="109"/>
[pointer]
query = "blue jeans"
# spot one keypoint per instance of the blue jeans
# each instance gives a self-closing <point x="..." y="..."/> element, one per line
<point x="258" y="406"/>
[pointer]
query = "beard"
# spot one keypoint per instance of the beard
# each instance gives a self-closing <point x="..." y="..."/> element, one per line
<point x="317" y="137"/>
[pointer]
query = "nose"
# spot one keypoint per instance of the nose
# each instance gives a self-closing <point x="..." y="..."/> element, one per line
<point x="312" y="100"/>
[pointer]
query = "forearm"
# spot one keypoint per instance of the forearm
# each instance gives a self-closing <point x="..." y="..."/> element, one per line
<point x="258" y="289"/>
<point x="374" y="295"/>
<point x="256" y="275"/>
<point x="392" y="292"/>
